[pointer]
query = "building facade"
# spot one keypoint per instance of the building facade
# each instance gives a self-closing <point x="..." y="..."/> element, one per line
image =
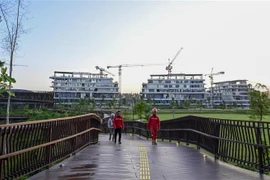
<point x="163" y="88"/>
<point x="231" y="93"/>
<point x="32" y="99"/>
<point x="70" y="87"/>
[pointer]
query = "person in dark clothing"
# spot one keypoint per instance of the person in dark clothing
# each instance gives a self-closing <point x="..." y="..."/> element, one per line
<point x="118" y="125"/>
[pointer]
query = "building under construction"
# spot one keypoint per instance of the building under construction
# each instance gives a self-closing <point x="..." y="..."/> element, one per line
<point x="231" y="93"/>
<point x="161" y="89"/>
<point x="70" y="87"/>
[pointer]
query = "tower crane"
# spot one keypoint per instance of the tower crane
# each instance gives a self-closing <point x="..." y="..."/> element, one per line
<point x="169" y="67"/>
<point x="103" y="70"/>
<point x="127" y="65"/>
<point x="16" y="64"/>
<point x="211" y="76"/>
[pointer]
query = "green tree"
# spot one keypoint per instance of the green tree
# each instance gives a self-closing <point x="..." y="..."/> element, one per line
<point x="235" y="105"/>
<point x="259" y="102"/>
<point x="208" y="100"/>
<point x="102" y="101"/>
<point x="142" y="109"/>
<point x="113" y="102"/>
<point x="92" y="104"/>
<point x="187" y="103"/>
<point x="199" y="104"/>
<point x="149" y="100"/>
<point x="5" y="79"/>
<point x="124" y="101"/>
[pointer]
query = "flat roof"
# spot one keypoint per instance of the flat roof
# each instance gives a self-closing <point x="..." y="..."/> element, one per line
<point x="65" y="72"/>
<point x="180" y="74"/>
<point x="222" y="82"/>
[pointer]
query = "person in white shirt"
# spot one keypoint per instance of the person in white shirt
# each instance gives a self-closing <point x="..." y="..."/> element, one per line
<point x="110" y="127"/>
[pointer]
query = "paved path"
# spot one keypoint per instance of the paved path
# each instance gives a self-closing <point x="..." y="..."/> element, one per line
<point x="137" y="159"/>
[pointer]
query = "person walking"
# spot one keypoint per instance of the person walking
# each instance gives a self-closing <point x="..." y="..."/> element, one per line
<point x="154" y="125"/>
<point x="118" y="126"/>
<point x="110" y="127"/>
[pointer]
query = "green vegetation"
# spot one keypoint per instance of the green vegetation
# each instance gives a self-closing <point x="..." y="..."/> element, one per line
<point x="5" y="79"/>
<point x="259" y="102"/>
<point x="40" y="114"/>
<point x="221" y="114"/>
<point x="142" y="109"/>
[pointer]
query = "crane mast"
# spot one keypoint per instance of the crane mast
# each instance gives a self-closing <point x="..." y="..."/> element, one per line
<point x="211" y="77"/>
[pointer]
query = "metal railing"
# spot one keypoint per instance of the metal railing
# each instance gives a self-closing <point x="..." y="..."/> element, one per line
<point x="31" y="146"/>
<point x="243" y="143"/>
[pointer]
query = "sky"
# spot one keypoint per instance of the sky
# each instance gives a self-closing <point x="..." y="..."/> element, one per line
<point x="76" y="35"/>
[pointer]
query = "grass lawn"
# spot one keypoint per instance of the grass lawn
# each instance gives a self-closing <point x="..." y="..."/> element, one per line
<point x="167" y="116"/>
<point x="220" y="116"/>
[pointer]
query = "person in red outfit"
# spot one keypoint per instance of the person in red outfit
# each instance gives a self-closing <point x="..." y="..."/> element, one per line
<point x="154" y="125"/>
<point x="118" y="125"/>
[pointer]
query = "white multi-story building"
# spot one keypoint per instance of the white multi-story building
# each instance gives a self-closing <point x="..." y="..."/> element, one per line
<point x="231" y="93"/>
<point x="163" y="88"/>
<point x="69" y="87"/>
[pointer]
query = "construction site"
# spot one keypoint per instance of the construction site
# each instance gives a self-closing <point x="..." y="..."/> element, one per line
<point x="159" y="89"/>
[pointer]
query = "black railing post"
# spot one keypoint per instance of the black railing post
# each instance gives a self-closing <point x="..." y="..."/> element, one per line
<point x="187" y="141"/>
<point x="49" y="148"/>
<point x="260" y="148"/>
<point x="216" y="141"/>
<point x="133" y="128"/>
<point x="178" y="139"/>
<point x="197" y="135"/>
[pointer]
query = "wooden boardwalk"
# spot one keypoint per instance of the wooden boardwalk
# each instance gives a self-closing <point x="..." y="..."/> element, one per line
<point x="137" y="159"/>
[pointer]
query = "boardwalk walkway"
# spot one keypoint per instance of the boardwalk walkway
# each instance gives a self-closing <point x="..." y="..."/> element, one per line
<point x="136" y="158"/>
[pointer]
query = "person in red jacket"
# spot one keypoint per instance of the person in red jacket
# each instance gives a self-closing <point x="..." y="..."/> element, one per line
<point x="118" y="125"/>
<point x="154" y="124"/>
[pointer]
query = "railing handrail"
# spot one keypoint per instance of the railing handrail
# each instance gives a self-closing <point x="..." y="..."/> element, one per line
<point x="50" y="120"/>
<point x="204" y="134"/>
<point x="30" y="146"/>
<point x="46" y="144"/>
<point x="242" y="142"/>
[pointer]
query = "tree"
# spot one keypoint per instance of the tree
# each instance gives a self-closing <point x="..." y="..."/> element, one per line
<point x="208" y="100"/>
<point x="223" y="105"/>
<point x="187" y="103"/>
<point x="113" y="102"/>
<point x="259" y="102"/>
<point x="102" y="101"/>
<point x="142" y="109"/>
<point x="5" y="80"/>
<point x="13" y="16"/>
<point x="92" y="104"/>
<point x="199" y="104"/>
